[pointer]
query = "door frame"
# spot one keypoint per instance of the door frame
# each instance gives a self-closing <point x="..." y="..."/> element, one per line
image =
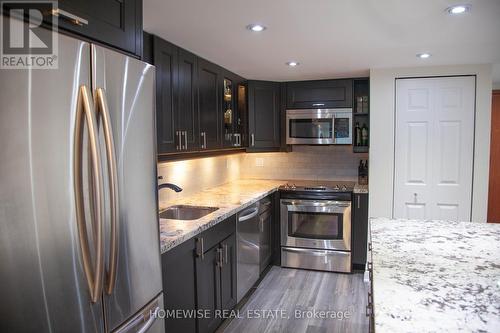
<point x="395" y="132"/>
<point x="494" y="92"/>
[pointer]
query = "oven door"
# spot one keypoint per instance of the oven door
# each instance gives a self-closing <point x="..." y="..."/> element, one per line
<point x="316" y="224"/>
<point x="313" y="127"/>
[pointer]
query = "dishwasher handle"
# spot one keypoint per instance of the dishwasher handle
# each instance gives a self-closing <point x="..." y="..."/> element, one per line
<point x="254" y="212"/>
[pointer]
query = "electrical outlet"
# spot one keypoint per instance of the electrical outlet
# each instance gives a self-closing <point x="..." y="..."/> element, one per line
<point x="259" y="162"/>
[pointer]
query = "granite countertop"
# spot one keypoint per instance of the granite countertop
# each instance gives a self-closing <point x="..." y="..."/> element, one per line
<point x="230" y="198"/>
<point x="360" y="188"/>
<point x="435" y="276"/>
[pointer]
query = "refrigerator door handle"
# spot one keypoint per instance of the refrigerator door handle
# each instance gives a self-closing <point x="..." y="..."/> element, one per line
<point x="102" y="112"/>
<point x="85" y="113"/>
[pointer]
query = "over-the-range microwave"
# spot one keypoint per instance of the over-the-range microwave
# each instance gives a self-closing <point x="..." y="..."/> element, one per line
<point x="319" y="127"/>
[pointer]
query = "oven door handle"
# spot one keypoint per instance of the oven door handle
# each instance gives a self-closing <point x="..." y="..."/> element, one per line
<point x="254" y="211"/>
<point x="316" y="204"/>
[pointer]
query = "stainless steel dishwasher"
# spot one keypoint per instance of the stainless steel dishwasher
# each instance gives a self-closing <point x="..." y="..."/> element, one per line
<point x="265" y="221"/>
<point x="248" y="254"/>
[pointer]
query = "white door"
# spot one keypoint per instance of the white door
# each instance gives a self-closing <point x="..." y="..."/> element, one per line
<point x="434" y="148"/>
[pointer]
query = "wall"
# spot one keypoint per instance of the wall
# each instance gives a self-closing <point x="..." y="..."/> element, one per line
<point x="304" y="162"/>
<point x="197" y="174"/>
<point x="381" y="165"/>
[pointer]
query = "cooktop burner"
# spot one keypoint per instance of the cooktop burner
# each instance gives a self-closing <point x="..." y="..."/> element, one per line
<point x="318" y="186"/>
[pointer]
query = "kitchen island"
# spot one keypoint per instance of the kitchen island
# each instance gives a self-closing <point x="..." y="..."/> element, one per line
<point x="435" y="276"/>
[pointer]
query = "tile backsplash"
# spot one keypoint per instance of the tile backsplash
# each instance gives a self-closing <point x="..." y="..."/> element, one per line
<point x="197" y="174"/>
<point x="304" y="162"/>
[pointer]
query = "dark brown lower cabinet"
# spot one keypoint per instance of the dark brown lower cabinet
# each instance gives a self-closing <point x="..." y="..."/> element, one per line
<point x="208" y="289"/>
<point x="199" y="275"/>
<point x="359" y="230"/>
<point x="228" y="273"/>
<point x="178" y="270"/>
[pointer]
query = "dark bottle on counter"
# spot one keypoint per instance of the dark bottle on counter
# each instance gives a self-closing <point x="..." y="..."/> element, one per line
<point x="364" y="135"/>
<point x="363" y="173"/>
<point x="357" y="134"/>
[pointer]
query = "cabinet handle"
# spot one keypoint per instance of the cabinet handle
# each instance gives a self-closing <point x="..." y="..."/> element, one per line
<point x="76" y="20"/>
<point x="318" y="104"/>
<point x="220" y="259"/>
<point x="358" y="200"/>
<point x="199" y="248"/>
<point x="226" y="253"/>
<point x="204" y="144"/>
<point x="179" y="139"/>
<point x="261" y="225"/>
<point x="252" y="140"/>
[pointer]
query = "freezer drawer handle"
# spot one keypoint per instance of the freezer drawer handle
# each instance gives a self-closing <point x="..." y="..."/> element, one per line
<point x="254" y="213"/>
<point x="141" y="319"/>
<point x="150" y="321"/>
<point x="85" y="113"/>
<point x="102" y="112"/>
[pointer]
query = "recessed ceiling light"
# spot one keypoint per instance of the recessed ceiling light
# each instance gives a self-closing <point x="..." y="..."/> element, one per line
<point x="292" y="63"/>
<point x="458" y="9"/>
<point x="256" y="27"/>
<point x="423" y="55"/>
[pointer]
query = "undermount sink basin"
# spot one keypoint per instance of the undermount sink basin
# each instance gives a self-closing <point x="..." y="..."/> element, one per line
<point x="184" y="212"/>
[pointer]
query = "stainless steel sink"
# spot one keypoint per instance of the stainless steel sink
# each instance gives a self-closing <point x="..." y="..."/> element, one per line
<point x="184" y="212"/>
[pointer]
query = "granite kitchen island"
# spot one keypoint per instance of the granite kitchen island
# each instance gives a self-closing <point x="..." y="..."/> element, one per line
<point x="435" y="276"/>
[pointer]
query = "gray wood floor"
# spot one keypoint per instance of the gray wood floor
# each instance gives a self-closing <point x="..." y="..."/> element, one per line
<point x="292" y="289"/>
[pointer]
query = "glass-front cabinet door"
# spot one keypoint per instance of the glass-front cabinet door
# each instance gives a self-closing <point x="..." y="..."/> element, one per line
<point x="228" y="112"/>
<point x="233" y="109"/>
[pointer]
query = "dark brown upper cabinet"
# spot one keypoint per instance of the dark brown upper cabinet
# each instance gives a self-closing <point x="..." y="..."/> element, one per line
<point x="199" y="105"/>
<point x="210" y="87"/>
<point x="319" y="94"/>
<point x="263" y="116"/>
<point x="177" y="118"/>
<point x="187" y="120"/>
<point x="361" y="114"/>
<point x="165" y="58"/>
<point x="117" y="23"/>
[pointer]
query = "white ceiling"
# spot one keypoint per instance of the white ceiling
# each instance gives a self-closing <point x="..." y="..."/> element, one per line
<point x="330" y="38"/>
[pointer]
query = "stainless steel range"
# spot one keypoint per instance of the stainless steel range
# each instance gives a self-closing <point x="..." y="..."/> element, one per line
<point x="316" y="225"/>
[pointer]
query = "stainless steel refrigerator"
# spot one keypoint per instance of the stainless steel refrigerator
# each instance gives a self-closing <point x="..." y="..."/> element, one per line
<point x="79" y="242"/>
